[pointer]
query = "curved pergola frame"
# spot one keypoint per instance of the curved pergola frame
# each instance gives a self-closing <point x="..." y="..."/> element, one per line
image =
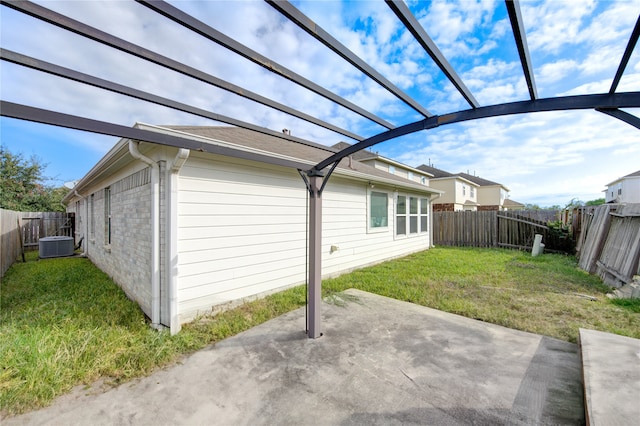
<point x="317" y="176"/>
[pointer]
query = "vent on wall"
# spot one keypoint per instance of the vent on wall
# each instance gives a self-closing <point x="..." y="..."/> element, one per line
<point x="55" y="247"/>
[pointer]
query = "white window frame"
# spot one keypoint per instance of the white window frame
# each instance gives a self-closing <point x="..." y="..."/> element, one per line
<point x="376" y="229"/>
<point x="107" y="217"/>
<point x="408" y="215"/>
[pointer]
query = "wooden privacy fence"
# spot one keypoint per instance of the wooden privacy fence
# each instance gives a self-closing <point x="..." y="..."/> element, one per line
<point x="23" y="230"/>
<point x="510" y="229"/>
<point x="609" y="243"/>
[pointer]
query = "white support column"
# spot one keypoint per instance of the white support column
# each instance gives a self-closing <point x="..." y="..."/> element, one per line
<point x="315" y="257"/>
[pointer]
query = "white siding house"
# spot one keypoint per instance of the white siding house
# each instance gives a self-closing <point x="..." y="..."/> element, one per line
<point x="188" y="232"/>
<point x="624" y="190"/>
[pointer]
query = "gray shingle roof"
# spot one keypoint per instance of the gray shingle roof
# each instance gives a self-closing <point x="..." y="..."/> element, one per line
<point x="478" y="180"/>
<point x="308" y="150"/>
<point x="437" y="173"/>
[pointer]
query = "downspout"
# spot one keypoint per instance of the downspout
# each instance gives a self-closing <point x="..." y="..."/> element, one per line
<point x="86" y="222"/>
<point x="438" y="195"/>
<point x="172" y="238"/>
<point x="155" y="231"/>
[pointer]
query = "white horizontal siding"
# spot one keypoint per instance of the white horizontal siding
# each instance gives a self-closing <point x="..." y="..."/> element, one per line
<point x="242" y="231"/>
<point x="345" y="226"/>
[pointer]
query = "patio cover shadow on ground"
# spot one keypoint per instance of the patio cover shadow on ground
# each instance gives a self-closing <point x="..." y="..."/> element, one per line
<point x="381" y="361"/>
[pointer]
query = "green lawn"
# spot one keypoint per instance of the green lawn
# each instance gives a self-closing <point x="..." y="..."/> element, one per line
<point x="63" y="322"/>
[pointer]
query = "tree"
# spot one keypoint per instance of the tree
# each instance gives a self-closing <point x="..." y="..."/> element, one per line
<point x="596" y="202"/>
<point x="23" y="185"/>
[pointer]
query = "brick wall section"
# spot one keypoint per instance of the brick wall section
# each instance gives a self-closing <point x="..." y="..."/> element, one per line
<point x="443" y="207"/>
<point x="127" y="260"/>
<point x="488" y="208"/>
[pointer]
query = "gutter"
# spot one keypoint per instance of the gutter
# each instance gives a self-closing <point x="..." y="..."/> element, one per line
<point x="172" y="237"/>
<point x="155" y="231"/>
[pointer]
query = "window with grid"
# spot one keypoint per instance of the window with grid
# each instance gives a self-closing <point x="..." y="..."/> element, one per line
<point x="412" y="215"/>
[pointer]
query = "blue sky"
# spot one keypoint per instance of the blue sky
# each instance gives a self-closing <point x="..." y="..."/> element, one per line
<point x="544" y="158"/>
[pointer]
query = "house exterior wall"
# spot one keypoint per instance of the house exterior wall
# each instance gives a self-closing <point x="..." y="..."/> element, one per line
<point x="456" y="193"/>
<point x="242" y="231"/>
<point x="491" y="196"/>
<point x="625" y="190"/>
<point x="126" y="259"/>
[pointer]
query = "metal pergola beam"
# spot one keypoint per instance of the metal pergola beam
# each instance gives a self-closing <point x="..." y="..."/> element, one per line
<point x="600" y="101"/>
<point x="199" y="27"/>
<point x="39" y="115"/>
<point x="621" y="115"/>
<point x="626" y="56"/>
<point x="94" y="34"/>
<point x="411" y="23"/>
<point x="313" y="29"/>
<point x="609" y="104"/>
<point x="43" y="66"/>
<point x="515" y="17"/>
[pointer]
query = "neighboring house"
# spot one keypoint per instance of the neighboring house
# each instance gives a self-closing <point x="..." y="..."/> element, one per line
<point x="388" y="165"/>
<point x="460" y="194"/>
<point x="190" y="232"/>
<point x="468" y="192"/>
<point x="624" y="190"/>
<point x="492" y="195"/>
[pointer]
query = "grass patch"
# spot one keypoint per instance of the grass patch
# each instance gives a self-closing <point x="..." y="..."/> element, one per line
<point x="547" y="294"/>
<point x="64" y="323"/>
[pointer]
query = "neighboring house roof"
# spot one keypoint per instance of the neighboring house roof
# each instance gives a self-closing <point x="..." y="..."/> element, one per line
<point x="369" y="155"/>
<point x="480" y="181"/>
<point x="509" y="203"/>
<point x="634" y="174"/>
<point x="437" y="173"/>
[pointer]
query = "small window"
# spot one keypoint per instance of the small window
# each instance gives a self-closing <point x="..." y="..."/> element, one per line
<point x="619" y="191"/>
<point x="378" y="210"/>
<point x="464" y="190"/>
<point x="423" y="180"/>
<point x="472" y="191"/>
<point x="410" y="175"/>
<point x="107" y="216"/>
<point x="392" y="169"/>
<point x="92" y="218"/>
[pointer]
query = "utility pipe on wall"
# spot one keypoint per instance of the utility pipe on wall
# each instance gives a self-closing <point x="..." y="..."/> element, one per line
<point x="155" y="231"/>
<point x="85" y="246"/>
<point x="172" y="237"/>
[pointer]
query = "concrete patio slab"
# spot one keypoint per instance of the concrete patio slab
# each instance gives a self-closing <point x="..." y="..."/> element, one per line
<point x="381" y="361"/>
<point x="611" y="368"/>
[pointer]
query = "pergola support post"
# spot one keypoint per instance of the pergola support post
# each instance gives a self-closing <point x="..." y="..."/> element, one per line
<point x="315" y="255"/>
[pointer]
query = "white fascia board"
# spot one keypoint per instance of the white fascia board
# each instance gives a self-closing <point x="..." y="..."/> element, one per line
<point x="338" y="171"/>
<point x="390" y="182"/>
<point x="458" y="178"/>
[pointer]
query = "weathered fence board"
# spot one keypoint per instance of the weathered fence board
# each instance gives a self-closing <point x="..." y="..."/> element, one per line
<point x="22" y="230"/>
<point x="618" y="261"/>
<point x="595" y="231"/>
<point x="493" y="229"/>
<point x="610" y="242"/>
<point x="10" y="247"/>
